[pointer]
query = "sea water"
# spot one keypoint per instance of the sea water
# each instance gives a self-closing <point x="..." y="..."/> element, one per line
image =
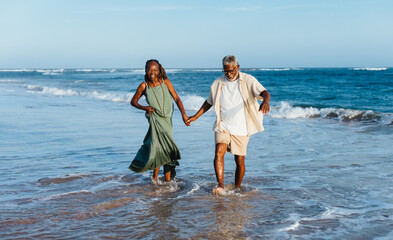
<point x="322" y="169"/>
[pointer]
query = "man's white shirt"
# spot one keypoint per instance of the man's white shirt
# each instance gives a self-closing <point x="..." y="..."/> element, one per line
<point x="233" y="118"/>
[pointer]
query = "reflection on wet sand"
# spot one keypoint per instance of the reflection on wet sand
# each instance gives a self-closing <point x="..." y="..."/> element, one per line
<point x="231" y="217"/>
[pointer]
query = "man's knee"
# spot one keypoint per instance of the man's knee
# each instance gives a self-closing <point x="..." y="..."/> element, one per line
<point x="221" y="149"/>
<point x="240" y="159"/>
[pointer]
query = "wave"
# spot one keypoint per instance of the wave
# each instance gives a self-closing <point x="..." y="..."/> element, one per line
<point x="60" y="195"/>
<point x="17" y="70"/>
<point x="51" y="71"/>
<point x="249" y="69"/>
<point x="42" y="71"/>
<point x="280" y="69"/>
<point x="90" y="94"/>
<point x="190" y="102"/>
<point x="193" y="102"/>
<point x="173" y="70"/>
<point x="274" y="69"/>
<point x="370" y="69"/>
<point x="94" y="70"/>
<point x="60" y="70"/>
<point x="207" y="70"/>
<point x="287" y="111"/>
<point x="7" y="80"/>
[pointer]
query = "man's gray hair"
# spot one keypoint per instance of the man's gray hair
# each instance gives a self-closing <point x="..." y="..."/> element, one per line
<point x="229" y="60"/>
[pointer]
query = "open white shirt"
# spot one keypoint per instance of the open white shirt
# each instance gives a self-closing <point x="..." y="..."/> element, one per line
<point x="233" y="118"/>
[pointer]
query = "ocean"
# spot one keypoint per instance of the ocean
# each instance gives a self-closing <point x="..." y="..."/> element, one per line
<point x="322" y="169"/>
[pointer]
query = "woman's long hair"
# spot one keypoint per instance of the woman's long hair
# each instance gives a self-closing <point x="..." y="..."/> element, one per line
<point x="161" y="75"/>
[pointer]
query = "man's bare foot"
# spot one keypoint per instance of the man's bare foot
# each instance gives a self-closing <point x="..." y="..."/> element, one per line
<point x="219" y="191"/>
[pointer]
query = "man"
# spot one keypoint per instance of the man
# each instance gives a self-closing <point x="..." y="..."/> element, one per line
<point x="238" y="115"/>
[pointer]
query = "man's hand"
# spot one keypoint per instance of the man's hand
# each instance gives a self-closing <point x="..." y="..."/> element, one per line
<point x="191" y="119"/>
<point x="264" y="107"/>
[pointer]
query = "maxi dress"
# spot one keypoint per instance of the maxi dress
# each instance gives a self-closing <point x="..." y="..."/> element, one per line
<point x="158" y="147"/>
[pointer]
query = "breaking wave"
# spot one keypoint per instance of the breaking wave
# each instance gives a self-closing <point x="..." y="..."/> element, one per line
<point x="193" y="102"/>
<point x="287" y="111"/>
<point x="62" y="70"/>
<point x="274" y="69"/>
<point x="207" y="70"/>
<point x="190" y="102"/>
<point x="69" y="92"/>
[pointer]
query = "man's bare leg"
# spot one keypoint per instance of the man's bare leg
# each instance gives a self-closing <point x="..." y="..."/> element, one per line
<point x="240" y="170"/>
<point x="221" y="149"/>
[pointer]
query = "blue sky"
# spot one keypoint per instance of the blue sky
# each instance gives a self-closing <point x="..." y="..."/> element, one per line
<point x="124" y="34"/>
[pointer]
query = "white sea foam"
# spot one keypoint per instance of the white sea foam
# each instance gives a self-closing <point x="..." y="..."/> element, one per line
<point x="17" y="70"/>
<point x="287" y="111"/>
<point x="56" y="91"/>
<point x="194" y="189"/>
<point x="65" y="194"/>
<point x="138" y="71"/>
<point x="192" y="102"/>
<point x="292" y="218"/>
<point x="173" y="70"/>
<point x="69" y="92"/>
<point x="7" y="80"/>
<point x="290" y="112"/>
<point x="50" y="71"/>
<point x="387" y="119"/>
<point x="275" y="69"/>
<point x="207" y="70"/>
<point x="42" y="71"/>
<point x="370" y="69"/>
<point x="94" y="70"/>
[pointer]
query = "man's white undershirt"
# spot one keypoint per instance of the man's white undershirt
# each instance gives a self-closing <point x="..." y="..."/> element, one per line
<point x="233" y="119"/>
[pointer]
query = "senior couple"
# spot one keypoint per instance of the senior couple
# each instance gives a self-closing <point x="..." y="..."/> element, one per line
<point x="238" y="115"/>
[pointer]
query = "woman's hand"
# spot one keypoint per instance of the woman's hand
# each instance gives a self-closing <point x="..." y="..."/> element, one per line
<point x="185" y="119"/>
<point x="149" y="110"/>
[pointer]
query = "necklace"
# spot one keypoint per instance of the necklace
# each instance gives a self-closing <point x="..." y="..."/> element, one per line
<point x="163" y="97"/>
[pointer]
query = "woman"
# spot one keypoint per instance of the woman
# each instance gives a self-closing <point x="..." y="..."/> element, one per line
<point x="159" y="148"/>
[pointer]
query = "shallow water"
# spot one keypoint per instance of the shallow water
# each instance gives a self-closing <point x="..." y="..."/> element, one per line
<point x="65" y="155"/>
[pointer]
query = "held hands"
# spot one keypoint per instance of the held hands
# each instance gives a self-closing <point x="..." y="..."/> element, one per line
<point x="191" y="119"/>
<point x="185" y="119"/>
<point x="264" y="107"/>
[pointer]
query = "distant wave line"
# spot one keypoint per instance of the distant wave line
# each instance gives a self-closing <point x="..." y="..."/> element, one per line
<point x="370" y="69"/>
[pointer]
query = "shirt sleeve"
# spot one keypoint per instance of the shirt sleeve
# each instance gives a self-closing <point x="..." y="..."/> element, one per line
<point x="256" y="88"/>
<point x="210" y="98"/>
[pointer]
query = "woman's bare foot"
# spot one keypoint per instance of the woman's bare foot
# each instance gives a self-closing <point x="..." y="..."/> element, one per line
<point x="154" y="181"/>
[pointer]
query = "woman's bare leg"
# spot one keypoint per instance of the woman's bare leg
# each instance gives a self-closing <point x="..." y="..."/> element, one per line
<point x="155" y="174"/>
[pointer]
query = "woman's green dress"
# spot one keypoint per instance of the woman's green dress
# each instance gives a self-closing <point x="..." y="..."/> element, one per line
<point x="158" y="147"/>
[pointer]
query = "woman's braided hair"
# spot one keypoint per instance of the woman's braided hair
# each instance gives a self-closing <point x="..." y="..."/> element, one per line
<point x="161" y="75"/>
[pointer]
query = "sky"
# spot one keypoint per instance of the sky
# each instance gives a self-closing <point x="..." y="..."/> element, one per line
<point x="195" y="34"/>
